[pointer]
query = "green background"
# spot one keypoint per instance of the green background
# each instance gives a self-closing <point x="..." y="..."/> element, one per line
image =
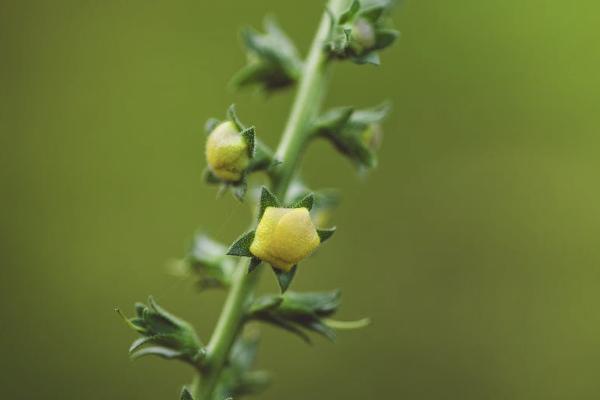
<point x="474" y="247"/>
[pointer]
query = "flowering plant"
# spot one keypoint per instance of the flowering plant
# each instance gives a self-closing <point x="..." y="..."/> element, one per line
<point x="288" y="227"/>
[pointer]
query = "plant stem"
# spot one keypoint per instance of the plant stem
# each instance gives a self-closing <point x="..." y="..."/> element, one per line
<point x="305" y="108"/>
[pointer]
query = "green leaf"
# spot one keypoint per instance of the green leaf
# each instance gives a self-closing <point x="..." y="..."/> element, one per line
<point x="368" y="58"/>
<point x="311" y="303"/>
<point x="232" y="115"/>
<point x="333" y="120"/>
<point x="163" y="352"/>
<point x="254" y="263"/>
<point x="288" y="326"/>
<point x="349" y="14"/>
<point x="325" y="234"/>
<point x="210" y="125"/>
<point x="249" y="136"/>
<point x="384" y="38"/>
<point x="186" y="394"/>
<point x="319" y="327"/>
<point x="284" y="278"/>
<point x="305" y="202"/>
<point x="374" y="13"/>
<point x="209" y="177"/>
<point x="265" y="303"/>
<point x="241" y="247"/>
<point x="267" y="199"/>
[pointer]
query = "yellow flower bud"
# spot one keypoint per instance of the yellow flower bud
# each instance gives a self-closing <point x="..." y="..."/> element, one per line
<point x="284" y="237"/>
<point x="227" y="152"/>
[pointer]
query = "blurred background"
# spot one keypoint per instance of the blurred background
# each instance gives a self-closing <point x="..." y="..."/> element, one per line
<point x="474" y="247"/>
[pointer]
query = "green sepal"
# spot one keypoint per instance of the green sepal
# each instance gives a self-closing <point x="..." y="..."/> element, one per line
<point x="273" y="61"/>
<point x="385" y="38"/>
<point x="232" y="116"/>
<point x="284" y="278"/>
<point x="359" y="137"/>
<point x="209" y="177"/>
<point x="186" y="394"/>
<point x="249" y="135"/>
<point x="210" y="125"/>
<point x="241" y="247"/>
<point x="296" y="312"/>
<point x="206" y="263"/>
<point x="333" y="120"/>
<point x="367" y="58"/>
<point x="325" y="234"/>
<point x="163" y="334"/>
<point x="262" y="159"/>
<point x="267" y="199"/>
<point x="350" y="13"/>
<point x="254" y="263"/>
<point x="265" y="303"/>
<point x="305" y="202"/>
<point x="374" y="13"/>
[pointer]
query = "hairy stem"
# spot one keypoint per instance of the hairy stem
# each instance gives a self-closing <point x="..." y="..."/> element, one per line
<point x="305" y="108"/>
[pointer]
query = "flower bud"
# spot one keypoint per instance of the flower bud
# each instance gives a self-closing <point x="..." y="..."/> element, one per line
<point x="227" y="152"/>
<point x="284" y="237"/>
<point x="363" y="35"/>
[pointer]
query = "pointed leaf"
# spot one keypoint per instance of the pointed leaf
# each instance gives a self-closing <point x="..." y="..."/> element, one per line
<point x="241" y="247"/>
<point x="284" y="278"/>
<point x="156" y="351"/>
<point x="369" y="58"/>
<point x="231" y="114"/>
<point x="186" y="394"/>
<point x="305" y="202"/>
<point x="373" y="13"/>
<point x="325" y="234"/>
<point x="265" y="303"/>
<point x="254" y="263"/>
<point x="349" y="14"/>
<point x="249" y="136"/>
<point x="318" y="326"/>
<point x="288" y="326"/>
<point x="209" y="177"/>
<point x="267" y="199"/>
<point x="385" y="38"/>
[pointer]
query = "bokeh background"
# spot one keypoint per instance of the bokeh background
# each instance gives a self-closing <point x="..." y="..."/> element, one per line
<point x="474" y="247"/>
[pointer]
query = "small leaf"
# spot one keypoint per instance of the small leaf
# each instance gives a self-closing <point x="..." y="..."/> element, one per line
<point x="210" y="125"/>
<point x="267" y="199"/>
<point x="254" y="263"/>
<point x="369" y="58"/>
<point x="249" y="136"/>
<point x="231" y="114"/>
<point x="374" y="13"/>
<point x="325" y="234"/>
<point x="318" y="326"/>
<point x="288" y="326"/>
<point x="265" y="303"/>
<point x="385" y="38"/>
<point x="209" y="177"/>
<point x="162" y="352"/>
<point x="186" y="394"/>
<point x="284" y="278"/>
<point x="349" y="14"/>
<point x="305" y="202"/>
<point x="333" y="120"/>
<point x="241" y="247"/>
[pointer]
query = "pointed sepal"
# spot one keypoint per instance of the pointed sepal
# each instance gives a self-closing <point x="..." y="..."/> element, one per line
<point x="241" y="247"/>
<point x="284" y="278"/>
<point x="325" y="234"/>
<point x="267" y="199"/>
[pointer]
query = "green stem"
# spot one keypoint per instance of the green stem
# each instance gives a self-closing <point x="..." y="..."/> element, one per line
<point x="305" y="108"/>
